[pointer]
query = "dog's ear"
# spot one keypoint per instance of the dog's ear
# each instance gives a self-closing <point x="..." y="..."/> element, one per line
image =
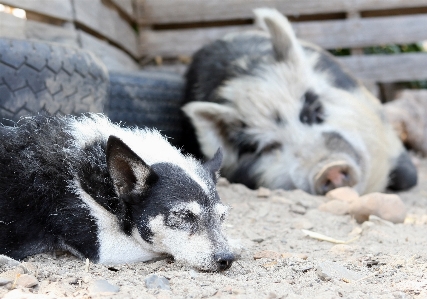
<point x="131" y="176"/>
<point x="214" y="164"/>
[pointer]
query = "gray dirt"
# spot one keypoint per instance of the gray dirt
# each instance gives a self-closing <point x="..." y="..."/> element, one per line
<point x="277" y="260"/>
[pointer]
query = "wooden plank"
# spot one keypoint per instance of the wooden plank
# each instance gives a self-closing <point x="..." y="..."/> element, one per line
<point x="171" y="43"/>
<point x="167" y="68"/>
<point x="388" y="68"/>
<point x="126" y="6"/>
<point x="416" y="94"/>
<point x="368" y="68"/>
<point x="50" y="33"/>
<point x="114" y="58"/>
<point x="60" y="9"/>
<point x="106" y="22"/>
<point x="13" y="27"/>
<point x="364" y="32"/>
<point x="349" y="33"/>
<point x="187" y="11"/>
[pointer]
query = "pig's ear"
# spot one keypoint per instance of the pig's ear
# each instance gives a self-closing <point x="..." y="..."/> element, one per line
<point x="214" y="164"/>
<point x="285" y="43"/>
<point x="131" y="176"/>
<point x="214" y="125"/>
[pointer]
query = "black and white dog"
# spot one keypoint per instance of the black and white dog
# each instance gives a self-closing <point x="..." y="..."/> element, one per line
<point x="107" y="193"/>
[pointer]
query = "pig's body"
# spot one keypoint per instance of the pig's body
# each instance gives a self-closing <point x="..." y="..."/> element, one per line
<point x="289" y="116"/>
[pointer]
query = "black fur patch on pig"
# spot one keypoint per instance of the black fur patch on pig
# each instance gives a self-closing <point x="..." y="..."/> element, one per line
<point x="404" y="175"/>
<point x="340" y="78"/>
<point x="244" y="174"/>
<point x="312" y="109"/>
<point x="213" y="65"/>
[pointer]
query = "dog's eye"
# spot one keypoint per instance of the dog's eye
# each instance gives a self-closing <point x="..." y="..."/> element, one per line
<point x="185" y="215"/>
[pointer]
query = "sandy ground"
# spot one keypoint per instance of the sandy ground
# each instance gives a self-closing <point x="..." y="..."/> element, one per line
<point x="277" y="260"/>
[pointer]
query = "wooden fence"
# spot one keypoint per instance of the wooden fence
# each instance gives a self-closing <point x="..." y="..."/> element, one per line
<point x="178" y="28"/>
<point x="129" y="33"/>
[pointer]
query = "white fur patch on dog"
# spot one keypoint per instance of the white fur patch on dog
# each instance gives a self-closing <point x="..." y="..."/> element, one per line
<point x="115" y="247"/>
<point x="150" y="145"/>
<point x="194" y="249"/>
<point x="221" y="210"/>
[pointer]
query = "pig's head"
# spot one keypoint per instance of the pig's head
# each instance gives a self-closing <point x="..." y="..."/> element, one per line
<point x="288" y="116"/>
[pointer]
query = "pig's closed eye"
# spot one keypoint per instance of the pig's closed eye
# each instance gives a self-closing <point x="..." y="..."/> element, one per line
<point x="312" y="111"/>
<point x="247" y="147"/>
<point x="271" y="147"/>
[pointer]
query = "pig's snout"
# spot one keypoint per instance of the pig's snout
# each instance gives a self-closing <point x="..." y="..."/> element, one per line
<point x="333" y="176"/>
<point x="224" y="260"/>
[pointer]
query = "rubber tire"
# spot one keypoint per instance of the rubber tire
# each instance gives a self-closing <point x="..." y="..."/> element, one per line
<point x="147" y="99"/>
<point x="40" y="77"/>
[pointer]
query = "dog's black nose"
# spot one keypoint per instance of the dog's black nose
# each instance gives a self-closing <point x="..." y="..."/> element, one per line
<point x="224" y="260"/>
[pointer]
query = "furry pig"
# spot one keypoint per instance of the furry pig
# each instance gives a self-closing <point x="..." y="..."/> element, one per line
<point x="107" y="193"/>
<point x="287" y="115"/>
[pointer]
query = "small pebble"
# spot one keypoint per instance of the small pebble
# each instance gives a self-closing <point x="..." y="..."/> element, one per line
<point x="258" y="240"/>
<point x="27" y="281"/>
<point x="379" y="221"/>
<point x="86" y="278"/>
<point x="302" y="223"/>
<point x="335" y="206"/>
<point x="263" y="192"/>
<point x="193" y="274"/>
<point x="287" y="255"/>
<point x="157" y="282"/>
<point x="28" y="268"/>
<point x="356" y="231"/>
<point x="102" y="286"/>
<point x="5" y="281"/>
<point x="346" y="194"/>
<point x="72" y="280"/>
<point x="386" y="206"/>
<point x="7" y="261"/>
<point x="297" y="209"/>
<point x="302" y="268"/>
<point x="12" y="273"/>
<point x="268" y="254"/>
<point x="281" y="199"/>
<point x="367" y="225"/>
<point x="331" y="270"/>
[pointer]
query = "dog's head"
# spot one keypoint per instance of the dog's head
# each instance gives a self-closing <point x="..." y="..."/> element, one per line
<point x="176" y="209"/>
